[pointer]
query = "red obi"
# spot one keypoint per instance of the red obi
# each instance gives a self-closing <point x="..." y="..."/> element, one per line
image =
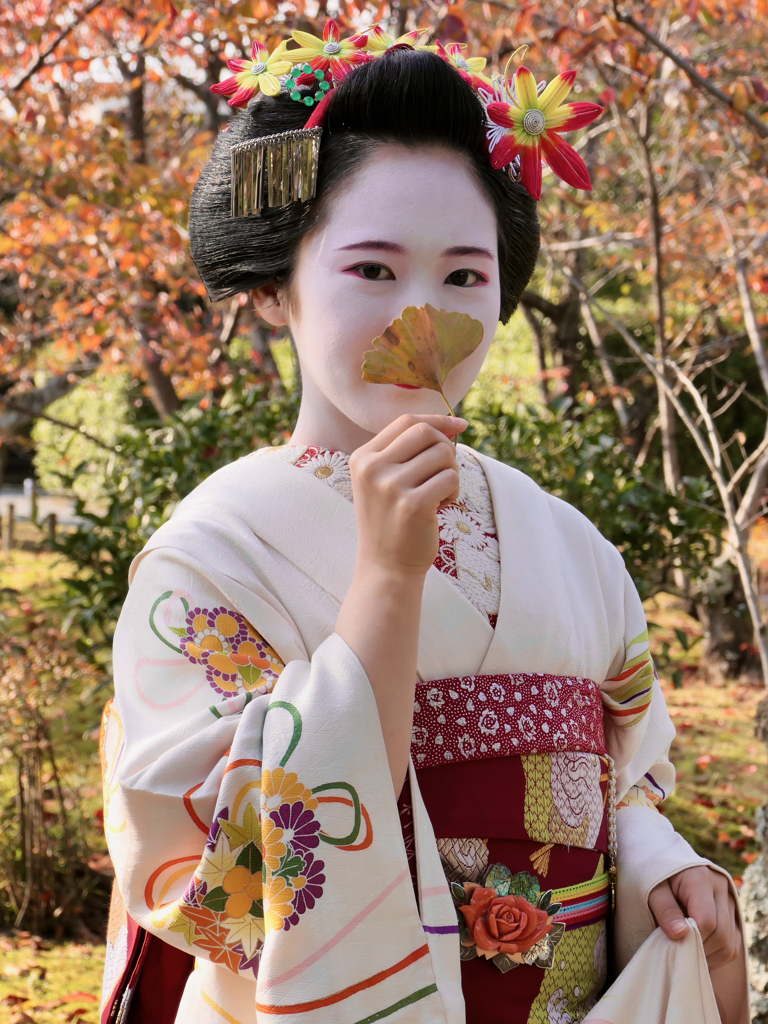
<point x="512" y="770"/>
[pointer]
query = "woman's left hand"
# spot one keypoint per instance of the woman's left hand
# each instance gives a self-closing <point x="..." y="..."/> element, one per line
<point x="704" y="895"/>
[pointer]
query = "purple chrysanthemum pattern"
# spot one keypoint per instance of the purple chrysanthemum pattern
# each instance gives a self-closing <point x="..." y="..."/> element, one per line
<point x="235" y="657"/>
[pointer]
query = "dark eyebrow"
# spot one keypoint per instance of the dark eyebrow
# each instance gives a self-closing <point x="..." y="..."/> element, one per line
<point x="469" y="250"/>
<point x="375" y="243"/>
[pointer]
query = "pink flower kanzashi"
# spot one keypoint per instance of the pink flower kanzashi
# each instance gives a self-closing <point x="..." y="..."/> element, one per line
<point x="331" y="52"/>
<point x="530" y="127"/>
<point x="259" y="73"/>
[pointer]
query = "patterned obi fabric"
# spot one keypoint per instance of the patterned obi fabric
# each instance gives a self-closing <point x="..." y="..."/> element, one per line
<point x="514" y="774"/>
<point x="471" y="718"/>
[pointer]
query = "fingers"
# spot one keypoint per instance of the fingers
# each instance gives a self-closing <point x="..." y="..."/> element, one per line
<point x="414" y="441"/>
<point x="423" y="465"/>
<point x="706" y="897"/>
<point x="449" y="426"/>
<point x="441" y="490"/>
<point x="724" y="942"/>
<point x="667" y="911"/>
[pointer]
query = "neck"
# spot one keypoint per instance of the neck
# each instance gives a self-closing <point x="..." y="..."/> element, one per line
<point x="323" y="425"/>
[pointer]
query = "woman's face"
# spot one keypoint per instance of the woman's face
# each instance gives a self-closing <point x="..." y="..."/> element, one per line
<point x="410" y="227"/>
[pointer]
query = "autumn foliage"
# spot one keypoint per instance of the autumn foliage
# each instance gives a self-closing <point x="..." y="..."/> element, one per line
<point x="107" y="114"/>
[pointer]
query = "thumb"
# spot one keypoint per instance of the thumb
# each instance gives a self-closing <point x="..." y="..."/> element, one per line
<point x="667" y="911"/>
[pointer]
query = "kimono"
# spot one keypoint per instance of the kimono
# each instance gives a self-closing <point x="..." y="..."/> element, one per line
<point x="264" y="864"/>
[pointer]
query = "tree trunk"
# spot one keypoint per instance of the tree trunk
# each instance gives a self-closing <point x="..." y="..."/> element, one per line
<point x="161" y="390"/>
<point x="136" y="125"/>
<point x="670" y="458"/>
<point x="538" y="346"/>
<point x="729" y="636"/>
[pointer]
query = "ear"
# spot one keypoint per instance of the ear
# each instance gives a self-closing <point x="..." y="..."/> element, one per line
<point x="266" y="300"/>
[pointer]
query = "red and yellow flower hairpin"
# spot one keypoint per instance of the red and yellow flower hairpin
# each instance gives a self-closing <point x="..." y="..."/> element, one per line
<point x="525" y="120"/>
<point x="525" y="124"/>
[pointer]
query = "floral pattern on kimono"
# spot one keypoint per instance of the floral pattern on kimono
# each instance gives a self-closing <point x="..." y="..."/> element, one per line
<point x="468" y="551"/>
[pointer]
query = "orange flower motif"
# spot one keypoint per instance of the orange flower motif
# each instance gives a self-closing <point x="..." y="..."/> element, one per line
<point x="243" y="889"/>
<point x="529" y="127"/>
<point x="278" y="903"/>
<point x="273" y="847"/>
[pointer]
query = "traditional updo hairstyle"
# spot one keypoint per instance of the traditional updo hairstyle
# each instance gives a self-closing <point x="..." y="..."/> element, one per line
<point x="411" y="97"/>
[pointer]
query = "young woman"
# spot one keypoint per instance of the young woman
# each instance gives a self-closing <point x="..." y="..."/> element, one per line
<point x="368" y="662"/>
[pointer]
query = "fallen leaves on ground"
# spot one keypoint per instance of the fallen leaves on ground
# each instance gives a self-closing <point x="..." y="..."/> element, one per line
<point x="722" y="769"/>
<point x="61" y="984"/>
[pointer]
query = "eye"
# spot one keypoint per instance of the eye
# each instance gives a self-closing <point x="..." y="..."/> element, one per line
<point x="373" y="272"/>
<point x="465" y="278"/>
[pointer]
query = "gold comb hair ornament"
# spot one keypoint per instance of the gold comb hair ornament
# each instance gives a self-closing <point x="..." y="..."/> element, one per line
<point x="274" y="171"/>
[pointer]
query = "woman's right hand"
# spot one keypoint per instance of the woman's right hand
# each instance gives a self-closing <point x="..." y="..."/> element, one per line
<point x="400" y="479"/>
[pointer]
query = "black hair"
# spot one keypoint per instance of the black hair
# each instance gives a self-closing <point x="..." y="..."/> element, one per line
<point x="411" y="97"/>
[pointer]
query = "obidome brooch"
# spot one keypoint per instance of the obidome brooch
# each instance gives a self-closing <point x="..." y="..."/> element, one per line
<point x="507" y="920"/>
<point x="525" y="119"/>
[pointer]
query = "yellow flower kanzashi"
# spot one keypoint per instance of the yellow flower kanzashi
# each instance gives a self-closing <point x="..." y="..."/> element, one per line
<point x="261" y="72"/>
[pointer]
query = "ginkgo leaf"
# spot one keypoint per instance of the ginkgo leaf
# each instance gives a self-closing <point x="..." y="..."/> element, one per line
<point x="421" y="347"/>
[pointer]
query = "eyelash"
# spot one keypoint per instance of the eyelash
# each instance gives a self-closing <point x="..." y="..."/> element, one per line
<point x="480" y="278"/>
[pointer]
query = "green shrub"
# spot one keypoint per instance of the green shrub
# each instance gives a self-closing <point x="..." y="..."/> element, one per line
<point x="100" y="406"/>
<point x="155" y="468"/>
<point x="569" y="451"/>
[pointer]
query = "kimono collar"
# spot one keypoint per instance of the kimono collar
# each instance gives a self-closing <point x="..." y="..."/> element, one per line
<point x="315" y="528"/>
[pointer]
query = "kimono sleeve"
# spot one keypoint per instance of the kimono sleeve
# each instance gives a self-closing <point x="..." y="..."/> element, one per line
<point x="250" y="811"/>
<point x="182" y="770"/>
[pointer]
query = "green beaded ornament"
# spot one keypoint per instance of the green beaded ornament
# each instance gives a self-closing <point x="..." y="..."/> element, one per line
<point x="292" y="84"/>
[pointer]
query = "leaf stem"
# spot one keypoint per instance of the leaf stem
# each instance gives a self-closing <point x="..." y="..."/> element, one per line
<point x="450" y="410"/>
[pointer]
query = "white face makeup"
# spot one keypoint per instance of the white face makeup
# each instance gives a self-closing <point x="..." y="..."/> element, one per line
<point x="410" y="227"/>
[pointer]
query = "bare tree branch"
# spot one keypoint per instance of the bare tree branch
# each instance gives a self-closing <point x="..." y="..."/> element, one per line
<point x="550" y="310"/>
<point x="27" y="414"/>
<point x="617" y="401"/>
<point x="36" y="65"/>
<point x="710" y="446"/>
<point x="759" y="125"/>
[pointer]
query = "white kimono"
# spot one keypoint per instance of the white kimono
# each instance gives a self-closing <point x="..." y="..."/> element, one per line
<point x="248" y="804"/>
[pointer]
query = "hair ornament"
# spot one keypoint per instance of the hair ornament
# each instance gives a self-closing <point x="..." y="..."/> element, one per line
<point x="378" y="41"/>
<point x="331" y="53"/>
<point x="525" y="120"/>
<point x="274" y="171"/>
<point x="261" y="73"/>
<point x="467" y="67"/>
<point x="306" y="75"/>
